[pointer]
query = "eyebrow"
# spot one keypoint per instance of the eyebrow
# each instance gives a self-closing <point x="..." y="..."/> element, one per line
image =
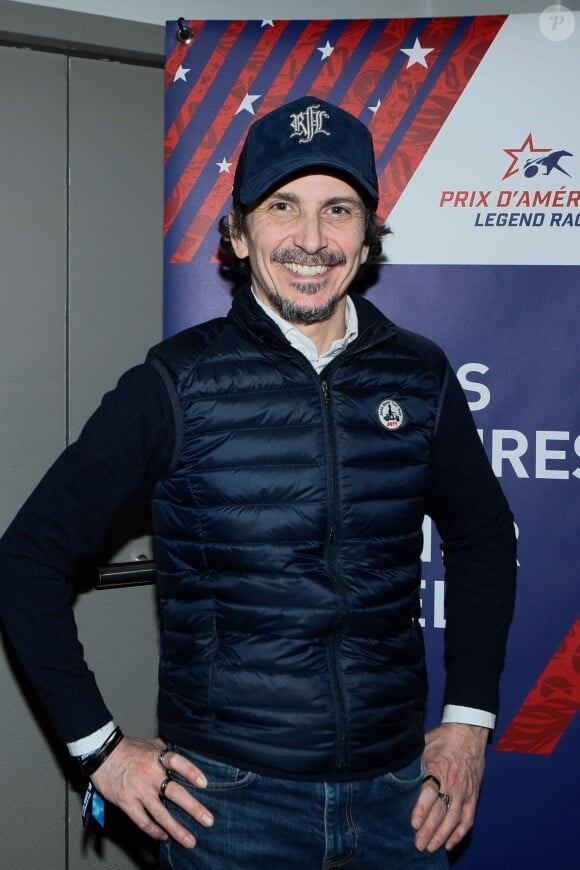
<point x="333" y="200"/>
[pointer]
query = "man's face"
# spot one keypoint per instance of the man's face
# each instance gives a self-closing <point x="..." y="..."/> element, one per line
<point x="305" y="244"/>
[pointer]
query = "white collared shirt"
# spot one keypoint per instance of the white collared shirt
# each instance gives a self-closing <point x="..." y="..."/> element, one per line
<point x="305" y="345"/>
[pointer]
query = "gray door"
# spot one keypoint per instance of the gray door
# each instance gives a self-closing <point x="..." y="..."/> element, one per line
<point x="81" y="157"/>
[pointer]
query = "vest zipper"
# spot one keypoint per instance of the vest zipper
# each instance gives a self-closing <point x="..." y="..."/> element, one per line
<point x="342" y="605"/>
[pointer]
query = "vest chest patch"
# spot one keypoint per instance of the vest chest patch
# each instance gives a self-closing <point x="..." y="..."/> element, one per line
<point x="391" y="414"/>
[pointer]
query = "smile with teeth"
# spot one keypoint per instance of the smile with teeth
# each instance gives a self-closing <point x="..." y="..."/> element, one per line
<point x="306" y="271"/>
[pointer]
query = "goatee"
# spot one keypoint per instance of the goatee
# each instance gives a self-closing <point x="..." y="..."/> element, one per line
<point x="293" y="312"/>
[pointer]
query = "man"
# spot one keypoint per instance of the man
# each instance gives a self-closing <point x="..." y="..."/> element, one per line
<point x="292" y="450"/>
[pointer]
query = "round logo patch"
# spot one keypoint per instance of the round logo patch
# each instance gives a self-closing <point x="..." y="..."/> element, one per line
<point x="391" y="414"/>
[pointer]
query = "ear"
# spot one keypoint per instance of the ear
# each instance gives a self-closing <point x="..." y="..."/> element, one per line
<point x="237" y="238"/>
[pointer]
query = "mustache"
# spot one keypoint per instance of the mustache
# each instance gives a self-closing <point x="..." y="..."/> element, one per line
<point x="295" y="255"/>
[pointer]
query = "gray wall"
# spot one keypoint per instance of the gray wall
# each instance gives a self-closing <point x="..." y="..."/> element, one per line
<point x="32" y="401"/>
<point x="81" y="157"/>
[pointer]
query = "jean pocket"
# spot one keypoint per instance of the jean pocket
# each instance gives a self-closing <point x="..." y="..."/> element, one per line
<point x="407" y="778"/>
<point x="220" y="776"/>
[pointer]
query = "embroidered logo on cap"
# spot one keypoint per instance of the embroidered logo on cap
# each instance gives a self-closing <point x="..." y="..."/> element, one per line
<point x="308" y="123"/>
<point x="391" y="414"/>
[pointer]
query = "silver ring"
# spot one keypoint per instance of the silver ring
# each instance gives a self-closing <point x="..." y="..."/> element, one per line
<point x="163" y="787"/>
<point x="444" y="798"/>
<point x="160" y="758"/>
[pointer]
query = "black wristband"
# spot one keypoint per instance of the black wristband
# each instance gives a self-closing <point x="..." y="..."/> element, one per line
<point x="93" y="762"/>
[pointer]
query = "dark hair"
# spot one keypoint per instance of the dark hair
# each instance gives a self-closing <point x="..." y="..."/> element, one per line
<point x="374" y="233"/>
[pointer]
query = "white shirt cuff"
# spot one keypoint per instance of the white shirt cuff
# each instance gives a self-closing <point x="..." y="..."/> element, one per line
<point x="89" y="744"/>
<point x="468" y="716"/>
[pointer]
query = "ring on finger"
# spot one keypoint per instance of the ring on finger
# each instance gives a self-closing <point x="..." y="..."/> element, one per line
<point x="444" y="798"/>
<point x="160" y="758"/>
<point x="163" y="786"/>
<point x="434" y="778"/>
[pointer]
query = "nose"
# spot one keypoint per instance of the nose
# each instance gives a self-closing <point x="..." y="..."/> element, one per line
<point x="309" y="233"/>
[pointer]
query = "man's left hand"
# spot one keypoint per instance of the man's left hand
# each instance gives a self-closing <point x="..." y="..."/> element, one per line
<point x="455" y="755"/>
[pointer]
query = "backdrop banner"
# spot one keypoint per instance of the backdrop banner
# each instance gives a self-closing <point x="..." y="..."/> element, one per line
<point x="477" y="141"/>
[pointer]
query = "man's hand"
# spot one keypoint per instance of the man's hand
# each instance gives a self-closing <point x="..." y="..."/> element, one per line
<point x="131" y="778"/>
<point x="455" y="755"/>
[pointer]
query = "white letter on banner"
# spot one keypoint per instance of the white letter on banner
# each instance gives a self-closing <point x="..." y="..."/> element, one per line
<point x="427" y="536"/>
<point x="439" y="604"/>
<point x="543" y="455"/>
<point x="474" y="386"/>
<point x="513" y="454"/>
<point x="576" y="471"/>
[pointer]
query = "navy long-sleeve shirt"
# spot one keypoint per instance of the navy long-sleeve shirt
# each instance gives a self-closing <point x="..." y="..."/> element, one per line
<point x="128" y="444"/>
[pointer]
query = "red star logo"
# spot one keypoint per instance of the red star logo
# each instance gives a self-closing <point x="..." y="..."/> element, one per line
<point x="516" y="154"/>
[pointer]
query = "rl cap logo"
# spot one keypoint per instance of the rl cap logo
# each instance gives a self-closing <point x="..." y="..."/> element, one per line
<point x="308" y="123"/>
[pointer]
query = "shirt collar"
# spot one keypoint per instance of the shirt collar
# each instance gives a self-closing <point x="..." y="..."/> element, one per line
<point x="305" y="345"/>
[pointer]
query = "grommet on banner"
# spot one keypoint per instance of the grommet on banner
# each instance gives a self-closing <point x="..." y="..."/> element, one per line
<point x="184" y="33"/>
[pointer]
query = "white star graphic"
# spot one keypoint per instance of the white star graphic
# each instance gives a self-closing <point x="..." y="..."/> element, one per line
<point x="247" y="104"/>
<point x="181" y="74"/>
<point x="375" y="109"/>
<point x="267" y="23"/>
<point x="416" y="54"/>
<point x="224" y="166"/>
<point x="325" y="50"/>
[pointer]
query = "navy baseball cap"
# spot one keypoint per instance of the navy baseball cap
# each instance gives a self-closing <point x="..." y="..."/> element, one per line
<point x="307" y="134"/>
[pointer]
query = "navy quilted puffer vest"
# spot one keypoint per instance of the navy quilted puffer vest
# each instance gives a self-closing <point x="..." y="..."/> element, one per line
<point x="288" y="536"/>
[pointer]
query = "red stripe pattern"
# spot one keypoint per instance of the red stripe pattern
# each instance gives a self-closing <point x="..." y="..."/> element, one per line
<point x="551" y="705"/>
<point x="414" y="101"/>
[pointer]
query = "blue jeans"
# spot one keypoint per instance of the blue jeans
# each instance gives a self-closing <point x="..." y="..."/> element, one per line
<point x="263" y="823"/>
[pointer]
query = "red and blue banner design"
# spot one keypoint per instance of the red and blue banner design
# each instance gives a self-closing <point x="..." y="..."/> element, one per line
<point x="477" y="145"/>
<point x="234" y="72"/>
